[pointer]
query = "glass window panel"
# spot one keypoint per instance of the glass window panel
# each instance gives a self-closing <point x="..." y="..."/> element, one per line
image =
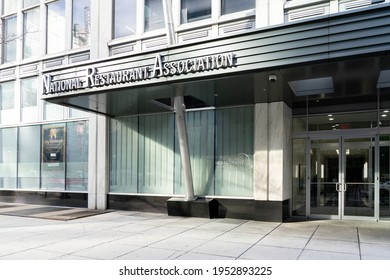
<point x="29" y="92"/>
<point x="156" y="156"/>
<point x="53" y="157"/>
<point x="154" y="15"/>
<point x="233" y="6"/>
<point x="9" y="45"/>
<point x="7" y="95"/>
<point x="81" y="24"/>
<point x="141" y="154"/>
<point x="31" y="42"/>
<point x="8" y="158"/>
<point x="56" y="26"/>
<point x="343" y="121"/>
<point x="299" y="124"/>
<point x="124" y="155"/>
<point x="384" y="184"/>
<point x="200" y="127"/>
<point x="29" y="148"/>
<point x="28" y="96"/>
<point x="75" y="113"/>
<point x="234" y="152"/>
<point x="9" y="6"/>
<point x="52" y="111"/>
<point x="125" y="13"/>
<point x="299" y="177"/>
<point x="193" y="10"/>
<point x="8" y="114"/>
<point x="77" y="156"/>
<point x="29" y="3"/>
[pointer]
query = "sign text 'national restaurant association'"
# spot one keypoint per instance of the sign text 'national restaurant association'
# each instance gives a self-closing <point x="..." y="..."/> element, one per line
<point x="160" y="69"/>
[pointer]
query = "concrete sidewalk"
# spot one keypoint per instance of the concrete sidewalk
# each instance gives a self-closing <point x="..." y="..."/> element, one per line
<point x="134" y="235"/>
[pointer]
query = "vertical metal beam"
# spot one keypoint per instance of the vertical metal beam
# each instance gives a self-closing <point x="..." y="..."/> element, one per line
<point x="184" y="150"/>
<point x="169" y="25"/>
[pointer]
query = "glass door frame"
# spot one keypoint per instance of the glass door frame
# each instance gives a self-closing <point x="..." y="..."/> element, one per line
<point x="340" y="137"/>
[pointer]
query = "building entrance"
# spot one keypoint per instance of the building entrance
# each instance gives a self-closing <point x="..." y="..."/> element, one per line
<point x="342" y="177"/>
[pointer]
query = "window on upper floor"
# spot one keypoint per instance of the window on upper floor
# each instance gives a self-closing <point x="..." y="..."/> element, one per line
<point x="8" y="110"/>
<point x="9" y="38"/>
<point x="29" y="99"/>
<point x="194" y="10"/>
<point x="81" y="23"/>
<point x="233" y="6"/>
<point x="28" y="90"/>
<point x="125" y="22"/>
<point x="29" y="3"/>
<point x="55" y="26"/>
<point x="31" y="40"/>
<point x="154" y="15"/>
<point x="9" y="6"/>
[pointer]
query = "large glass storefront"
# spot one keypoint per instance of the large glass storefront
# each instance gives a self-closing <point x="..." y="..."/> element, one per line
<point x="45" y="157"/>
<point x="145" y="157"/>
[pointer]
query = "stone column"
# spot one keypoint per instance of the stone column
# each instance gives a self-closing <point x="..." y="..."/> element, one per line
<point x="273" y="160"/>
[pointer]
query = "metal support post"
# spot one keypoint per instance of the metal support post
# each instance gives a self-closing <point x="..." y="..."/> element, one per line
<point x="184" y="150"/>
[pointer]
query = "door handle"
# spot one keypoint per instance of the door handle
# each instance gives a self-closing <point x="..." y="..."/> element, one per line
<point x="341" y="187"/>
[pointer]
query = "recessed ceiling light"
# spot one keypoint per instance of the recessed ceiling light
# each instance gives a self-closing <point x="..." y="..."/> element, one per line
<point x="385" y="111"/>
<point x="384" y="115"/>
<point x="331" y="119"/>
<point x="330" y="115"/>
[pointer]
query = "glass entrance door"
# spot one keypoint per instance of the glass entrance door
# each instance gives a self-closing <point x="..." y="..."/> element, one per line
<point x="342" y="173"/>
<point x="325" y="177"/>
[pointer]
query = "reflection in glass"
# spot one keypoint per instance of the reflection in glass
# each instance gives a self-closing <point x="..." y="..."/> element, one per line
<point x="194" y="10"/>
<point x="233" y="6"/>
<point x="31" y="41"/>
<point x="81" y="23"/>
<point x="125" y="14"/>
<point x="154" y="15"/>
<point x="56" y="26"/>
<point x="9" y="39"/>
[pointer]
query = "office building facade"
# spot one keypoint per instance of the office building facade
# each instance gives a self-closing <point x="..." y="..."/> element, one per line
<point x="255" y="109"/>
